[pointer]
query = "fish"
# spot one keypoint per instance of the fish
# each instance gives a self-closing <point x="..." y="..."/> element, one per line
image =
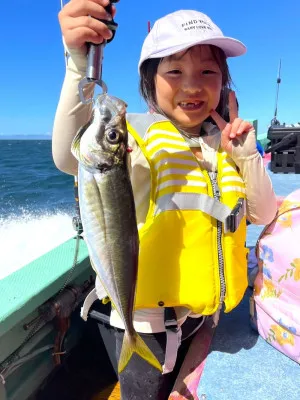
<point x="108" y="214"/>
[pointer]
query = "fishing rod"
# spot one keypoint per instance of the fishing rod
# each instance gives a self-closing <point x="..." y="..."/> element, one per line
<point x="275" y="120"/>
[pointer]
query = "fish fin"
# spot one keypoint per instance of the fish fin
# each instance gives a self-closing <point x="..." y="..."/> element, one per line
<point x="136" y="345"/>
<point x="75" y="147"/>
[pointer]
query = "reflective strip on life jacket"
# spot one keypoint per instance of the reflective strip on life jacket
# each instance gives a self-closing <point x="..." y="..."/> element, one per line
<point x="193" y="201"/>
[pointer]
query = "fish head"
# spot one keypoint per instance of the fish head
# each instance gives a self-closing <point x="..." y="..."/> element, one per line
<point x="102" y="143"/>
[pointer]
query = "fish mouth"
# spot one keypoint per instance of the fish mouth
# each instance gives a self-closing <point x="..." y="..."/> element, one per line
<point x="104" y="167"/>
<point x="109" y="165"/>
<point x="191" y="105"/>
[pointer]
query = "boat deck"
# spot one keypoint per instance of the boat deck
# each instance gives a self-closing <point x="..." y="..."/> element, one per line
<point x="242" y="366"/>
<point x="110" y="393"/>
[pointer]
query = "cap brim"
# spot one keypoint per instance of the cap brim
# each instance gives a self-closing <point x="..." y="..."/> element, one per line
<point x="231" y="47"/>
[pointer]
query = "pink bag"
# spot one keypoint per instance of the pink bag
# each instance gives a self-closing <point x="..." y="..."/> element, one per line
<point x="277" y="286"/>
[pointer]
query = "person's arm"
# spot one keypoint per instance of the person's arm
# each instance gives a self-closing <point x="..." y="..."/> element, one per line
<point x="239" y="141"/>
<point x="261" y="199"/>
<point x="81" y="22"/>
<point x="71" y="114"/>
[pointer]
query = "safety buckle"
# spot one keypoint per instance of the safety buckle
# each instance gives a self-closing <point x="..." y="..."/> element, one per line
<point x="233" y="220"/>
<point x="170" y="319"/>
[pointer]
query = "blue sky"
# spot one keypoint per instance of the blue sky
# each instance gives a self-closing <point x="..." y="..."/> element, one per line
<point x="32" y="61"/>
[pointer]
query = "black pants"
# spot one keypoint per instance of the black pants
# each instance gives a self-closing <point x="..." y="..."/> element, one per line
<point x="139" y="380"/>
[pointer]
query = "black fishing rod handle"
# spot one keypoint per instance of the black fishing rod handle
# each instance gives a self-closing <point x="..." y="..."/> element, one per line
<point x="112" y="25"/>
<point x="95" y="51"/>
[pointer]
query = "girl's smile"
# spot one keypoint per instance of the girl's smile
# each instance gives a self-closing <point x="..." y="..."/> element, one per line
<point x="188" y="86"/>
<point x="191" y="105"/>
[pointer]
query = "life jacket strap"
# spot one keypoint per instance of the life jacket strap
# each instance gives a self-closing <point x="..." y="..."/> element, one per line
<point x="173" y="332"/>
<point x="87" y="304"/>
<point x="231" y="218"/>
<point x="141" y="122"/>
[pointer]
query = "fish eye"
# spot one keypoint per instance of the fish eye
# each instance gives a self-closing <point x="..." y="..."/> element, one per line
<point x="113" y="137"/>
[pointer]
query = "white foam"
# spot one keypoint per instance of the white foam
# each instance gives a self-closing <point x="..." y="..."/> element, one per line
<point x="26" y="237"/>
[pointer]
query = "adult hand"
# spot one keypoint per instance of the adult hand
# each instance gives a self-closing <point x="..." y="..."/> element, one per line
<point x="79" y="22"/>
<point x="237" y="136"/>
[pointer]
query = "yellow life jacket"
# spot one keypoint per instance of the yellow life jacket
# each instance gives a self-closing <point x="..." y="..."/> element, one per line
<point x="186" y="257"/>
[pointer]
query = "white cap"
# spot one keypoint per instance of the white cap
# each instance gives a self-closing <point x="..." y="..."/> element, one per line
<point x="183" y="29"/>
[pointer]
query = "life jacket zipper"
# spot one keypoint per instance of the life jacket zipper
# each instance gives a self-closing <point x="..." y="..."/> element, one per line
<point x="217" y="195"/>
<point x="212" y="176"/>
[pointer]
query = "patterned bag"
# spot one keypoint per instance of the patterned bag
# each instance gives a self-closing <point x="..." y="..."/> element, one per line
<point x="276" y="299"/>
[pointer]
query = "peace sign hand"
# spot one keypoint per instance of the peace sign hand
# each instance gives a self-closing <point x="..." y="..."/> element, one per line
<point x="238" y="136"/>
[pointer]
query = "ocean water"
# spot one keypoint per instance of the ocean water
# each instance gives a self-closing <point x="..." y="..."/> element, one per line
<point x="36" y="203"/>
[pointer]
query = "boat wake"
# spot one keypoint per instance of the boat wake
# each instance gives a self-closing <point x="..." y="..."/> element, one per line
<point x="28" y="236"/>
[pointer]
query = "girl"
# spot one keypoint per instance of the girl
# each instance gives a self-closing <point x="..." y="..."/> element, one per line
<point x="194" y="166"/>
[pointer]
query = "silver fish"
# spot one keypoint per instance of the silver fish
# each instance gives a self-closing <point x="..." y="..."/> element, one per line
<point x="108" y="214"/>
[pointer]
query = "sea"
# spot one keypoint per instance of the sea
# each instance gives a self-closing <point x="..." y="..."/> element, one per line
<point x="37" y="203"/>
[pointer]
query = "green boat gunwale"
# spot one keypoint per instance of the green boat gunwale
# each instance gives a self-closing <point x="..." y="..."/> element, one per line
<point x="23" y="291"/>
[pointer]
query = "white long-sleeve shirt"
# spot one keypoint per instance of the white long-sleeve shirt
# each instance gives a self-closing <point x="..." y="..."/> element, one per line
<point x="71" y="114"/>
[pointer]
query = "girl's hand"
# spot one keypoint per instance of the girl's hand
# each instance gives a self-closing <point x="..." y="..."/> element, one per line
<point x="79" y="22"/>
<point x="237" y="136"/>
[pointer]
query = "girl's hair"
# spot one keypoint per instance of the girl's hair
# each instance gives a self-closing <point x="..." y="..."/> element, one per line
<point x="148" y="71"/>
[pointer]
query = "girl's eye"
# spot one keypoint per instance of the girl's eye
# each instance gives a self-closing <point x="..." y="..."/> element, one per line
<point x="208" y="71"/>
<point x="174" y="72"/>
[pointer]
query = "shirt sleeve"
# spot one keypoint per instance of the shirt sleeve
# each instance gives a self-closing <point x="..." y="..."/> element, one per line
<point x="261" y="205"/>
<point x="71" y="114"/>
<point x="261" y="199"/>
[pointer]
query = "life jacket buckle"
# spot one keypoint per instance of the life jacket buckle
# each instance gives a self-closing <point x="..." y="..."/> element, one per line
<point x="233" y="220"/>
<point x="172" y="326"/>
<point x="173" y="332"/>
<point x="170" y="320"/>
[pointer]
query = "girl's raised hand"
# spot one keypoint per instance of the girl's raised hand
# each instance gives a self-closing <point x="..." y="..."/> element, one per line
<point x="237" y="136"/>
<point x="79" y="22"/>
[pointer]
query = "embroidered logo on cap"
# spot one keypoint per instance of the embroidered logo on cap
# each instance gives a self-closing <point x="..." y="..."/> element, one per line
<point x="196" y="24"/>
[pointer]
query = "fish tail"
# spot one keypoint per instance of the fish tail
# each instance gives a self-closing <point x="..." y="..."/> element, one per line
<point x="135" y="344"/>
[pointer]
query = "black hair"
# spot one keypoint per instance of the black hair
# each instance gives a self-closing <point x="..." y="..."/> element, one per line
<point x="148" y="71"/>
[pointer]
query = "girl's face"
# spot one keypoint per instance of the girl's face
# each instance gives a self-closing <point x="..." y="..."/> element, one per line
<point x="188" y="85"/>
